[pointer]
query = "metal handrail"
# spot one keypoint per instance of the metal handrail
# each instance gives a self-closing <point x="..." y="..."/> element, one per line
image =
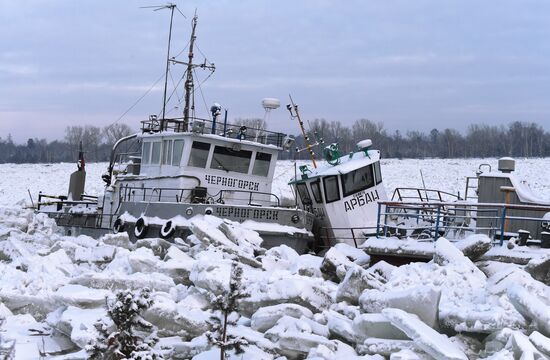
<point x="469" y="187"/>
<point x="470" y="204"/>
<point x="442" y="217"/>
<point x="229" y="130"/>
<point x="129" y="193"/>
<point x="424" y="195"/>
<point x="220" y="197"/>
<point x="61" y="200"/>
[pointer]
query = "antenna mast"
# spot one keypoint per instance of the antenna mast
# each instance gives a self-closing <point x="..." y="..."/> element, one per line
<point x="189" y="72"/>
<point x="292" y="106"/>
<point x="171" y="7"/>
<point x="189" y="81"/>
<point x="157" y="8"/>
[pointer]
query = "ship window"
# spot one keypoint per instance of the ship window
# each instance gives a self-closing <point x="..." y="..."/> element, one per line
<point x="178" y="150"/>
<point x="166" y="152"/>
<point x="316" y="190"/>
<point x="146" y="154"/>
<point x="199" y="154"/>
<point x="304" y="194"/>
<point x="331" y="188"/>
<point x="261" y="164"/>
<point x="377" y="172"/>
<point x="155" y="154"/>
<point x="229" y="160"/>
<point x="357" y="180"/>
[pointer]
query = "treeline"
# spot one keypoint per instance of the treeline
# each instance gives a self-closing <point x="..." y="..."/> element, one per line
<point x="97" y="143"/>
<point x="519" y="139"/>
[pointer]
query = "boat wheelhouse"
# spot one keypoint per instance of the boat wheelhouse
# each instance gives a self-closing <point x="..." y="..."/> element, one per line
<point x="180" y="174"/>
<point x="343" y="194"/>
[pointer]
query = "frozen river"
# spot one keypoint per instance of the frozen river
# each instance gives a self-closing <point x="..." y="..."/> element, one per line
<point x="16" y="180"/>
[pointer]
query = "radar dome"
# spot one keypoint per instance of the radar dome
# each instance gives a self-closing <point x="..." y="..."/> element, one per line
<point x="271" y="103"/>
<point x="364" y="144"/>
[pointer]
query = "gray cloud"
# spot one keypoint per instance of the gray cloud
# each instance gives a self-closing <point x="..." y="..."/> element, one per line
<point x="410" y="64"/>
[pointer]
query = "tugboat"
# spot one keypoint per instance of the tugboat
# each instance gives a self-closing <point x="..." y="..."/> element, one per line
<point x="343" y="193"/>
<point x="347" y="195"/>
<point x="184" y="167"/>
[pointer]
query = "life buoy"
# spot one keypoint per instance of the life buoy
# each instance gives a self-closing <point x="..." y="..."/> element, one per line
<point x="141" y="228"/>
<point x="119" y="226"/>
<point x="168" y="229"/>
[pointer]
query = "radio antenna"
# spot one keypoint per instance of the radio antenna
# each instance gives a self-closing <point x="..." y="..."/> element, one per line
<point x="295" y="114"/>
<point x="157" y="8"/>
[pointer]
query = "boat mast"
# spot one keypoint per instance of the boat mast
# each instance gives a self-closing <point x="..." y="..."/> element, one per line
<point x="293" y="109"/>
<point x="189" y="80"/>
<point x="189" y="85"/>
<point x="171" y="7"/>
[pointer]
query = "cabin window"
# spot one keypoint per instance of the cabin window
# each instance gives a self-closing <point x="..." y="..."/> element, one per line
<point x="316" y="190"/>
<point x="178" y="150"/>
<point x="155" y="154"/>
<point x="357" y="180"/>
<point x="261" y="164"/>
<point x="229" y="160"/>
<point x="331" y="188"/>
<point x="146" y="153"/>
<point x="377" y="172"/>
<point x="166" y="152"/>
<point x="199" y="154"/>
<point x="304" y="194"/>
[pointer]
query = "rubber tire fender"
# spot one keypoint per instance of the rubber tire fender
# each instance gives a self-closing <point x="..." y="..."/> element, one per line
<point x="167" y="230"/>
<point x="119" y="226"/>
<point x="141" y="228"/>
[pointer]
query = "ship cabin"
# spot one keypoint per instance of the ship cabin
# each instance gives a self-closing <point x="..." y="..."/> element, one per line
<point x="203" y="163"/>
<point x="528" y="212"/>
<point x="343" y="194"/>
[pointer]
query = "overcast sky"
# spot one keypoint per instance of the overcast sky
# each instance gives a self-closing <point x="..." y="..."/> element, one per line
<point x="409" y="64"/>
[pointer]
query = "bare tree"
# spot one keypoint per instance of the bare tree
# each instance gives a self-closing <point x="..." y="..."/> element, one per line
<point x="92" y="139"/>
<point x="116" y="131"/>
<point x="73" y="136"/>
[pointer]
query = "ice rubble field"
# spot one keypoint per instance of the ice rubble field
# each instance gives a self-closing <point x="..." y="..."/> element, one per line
<point x="53" y="288"/>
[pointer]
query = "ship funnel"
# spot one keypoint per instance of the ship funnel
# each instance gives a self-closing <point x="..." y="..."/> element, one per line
<point x="78" y="178"/>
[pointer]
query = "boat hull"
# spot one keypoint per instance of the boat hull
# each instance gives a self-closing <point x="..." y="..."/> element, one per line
<point x="276" y="225"/>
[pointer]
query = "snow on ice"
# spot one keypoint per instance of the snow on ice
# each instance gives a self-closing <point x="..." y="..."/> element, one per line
<point x="53" y="288"/>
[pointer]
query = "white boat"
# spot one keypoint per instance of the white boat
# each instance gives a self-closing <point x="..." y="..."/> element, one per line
<point x="343" y="193"/>
<point x="185" y="167"/>
<point x="347" y="195"/>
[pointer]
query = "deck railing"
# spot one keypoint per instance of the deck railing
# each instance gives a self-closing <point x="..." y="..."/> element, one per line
<point x="206" y="126"/>
<point x="456" y="219"/>
<point x="424" y="195"/>
<point x="189" y="195"/>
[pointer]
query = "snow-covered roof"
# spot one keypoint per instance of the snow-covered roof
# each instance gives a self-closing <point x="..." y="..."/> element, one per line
<point x="347" y="164"/>
<point x="524" y="192"/>
<point x="215" y="137"/>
